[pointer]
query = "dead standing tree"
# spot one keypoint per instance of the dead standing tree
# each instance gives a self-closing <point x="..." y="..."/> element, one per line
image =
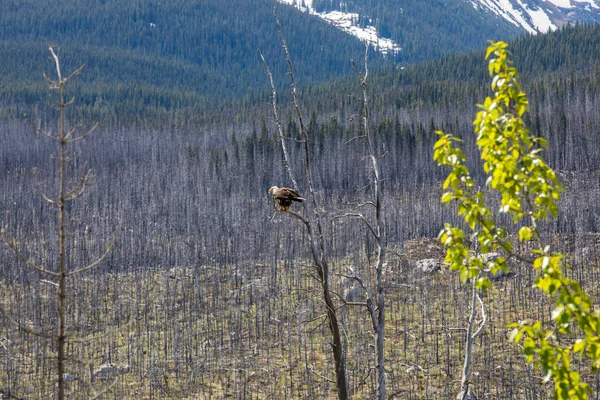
<point x="64" y="138"/>
<point x="375" y="309"/>
<point x="313" y="222"/>
<point x="466" y="391"/>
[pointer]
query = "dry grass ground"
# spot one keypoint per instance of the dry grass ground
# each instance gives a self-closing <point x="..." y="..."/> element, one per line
<point x="256" y="331"/>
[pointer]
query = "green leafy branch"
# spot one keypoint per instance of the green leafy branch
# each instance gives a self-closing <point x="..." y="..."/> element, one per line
<point x="529" y="192"/>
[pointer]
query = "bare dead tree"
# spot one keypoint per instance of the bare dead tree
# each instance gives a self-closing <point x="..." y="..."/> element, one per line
<point x="377" y="310"/>
<point x="375" y="302"/>
<point x="466" y="392"/>
<point x="64" y="139"/>
<point x="312" y="220"/>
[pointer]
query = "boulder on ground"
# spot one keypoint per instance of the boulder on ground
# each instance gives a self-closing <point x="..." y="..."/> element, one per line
<point x="106" y="371"/>
<point x="428" y="265"/>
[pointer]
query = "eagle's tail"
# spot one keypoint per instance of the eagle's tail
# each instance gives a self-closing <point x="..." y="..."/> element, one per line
<point x="300" y="199"/>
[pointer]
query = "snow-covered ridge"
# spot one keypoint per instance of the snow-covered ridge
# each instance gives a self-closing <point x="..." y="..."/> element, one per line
<point x="539" y="16"/>
<point x="520" y="14"/>
<point x="534" y="16"/>
<point x="347" y="22"/>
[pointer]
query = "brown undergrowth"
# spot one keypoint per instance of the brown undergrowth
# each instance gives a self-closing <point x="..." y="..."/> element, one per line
<point x="257" y="331"/>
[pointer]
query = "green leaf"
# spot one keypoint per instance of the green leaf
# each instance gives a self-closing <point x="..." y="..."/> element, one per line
<point x="515" y="335"/>
<point x="525" y="234"/>
<point x="579" y="346"/>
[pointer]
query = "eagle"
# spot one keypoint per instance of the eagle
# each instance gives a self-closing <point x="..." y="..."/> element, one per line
<point x="283" y="197"/>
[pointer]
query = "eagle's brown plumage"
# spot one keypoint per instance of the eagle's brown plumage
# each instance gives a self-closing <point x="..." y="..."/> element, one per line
<point x="283" y="197"/>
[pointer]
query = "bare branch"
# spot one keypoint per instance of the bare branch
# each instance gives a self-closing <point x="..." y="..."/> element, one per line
<point x="354" y="138"/>
<point x="312" y="320"/>
<point x="319" y="325"/>
<point x="85" y="135"/>
<point x="81" y="184"/>
<point x="46" y="198"/>
<point x="300" y="217"/>
<point x="95" y="263"/>
<point x="366" y="203"/>
<point x="362" y="218"/>
<point x="362" y="381"/>
<point x="316" y="278"/>
<point x="286" y="161"/>
<point x="38" y="129"/>
<point x="351" y="303"/>
<point x="13" y="246"/>
<point x="363" y="188"/>
<point x="310" y="368"/>
<point x="354" y="277"/>
<point x="273" y="216"/>
<point x="23" y="327"/>
<point x="106" y="389"/>
<point x="71" y="131"/>
<point x="57" y="62"/>
<point x="52" y="82"/>
<point x="76" y="72"/>
<point x="484" y="316"/>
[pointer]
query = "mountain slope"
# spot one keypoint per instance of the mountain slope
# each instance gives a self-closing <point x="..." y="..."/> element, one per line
<point x="453" y="81"/>
<point x="386" y="23"/>
<point x="541" y="15"/>
<point x="209" y="48"/>
<point x="197" y="57"/>
<point x="421" y="30"/>
<point x="204" y="47"/>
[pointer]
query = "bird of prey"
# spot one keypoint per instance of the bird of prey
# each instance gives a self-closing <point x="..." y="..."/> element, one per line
<point x="283" y="197"/>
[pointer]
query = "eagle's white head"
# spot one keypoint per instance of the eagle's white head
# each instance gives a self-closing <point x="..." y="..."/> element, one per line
<point x="272" y="189"/>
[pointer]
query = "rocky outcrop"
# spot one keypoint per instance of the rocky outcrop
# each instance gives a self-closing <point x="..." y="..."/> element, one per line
<point x="428" y="265"/>
<point x="109" y="370"/>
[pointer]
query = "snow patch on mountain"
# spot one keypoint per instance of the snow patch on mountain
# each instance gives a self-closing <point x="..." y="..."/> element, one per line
<point x="541" y="20"/>
<point x="534" y="16"/>
<point x="533" y="20"/>
<point x="347" y="22"/>
<point x="575" y="3"/>
<point x="561" y="3"/>
<point x="537" y="16"/>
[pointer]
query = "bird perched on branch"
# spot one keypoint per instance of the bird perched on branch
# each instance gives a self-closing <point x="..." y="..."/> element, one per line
<point x="283" y="197"/>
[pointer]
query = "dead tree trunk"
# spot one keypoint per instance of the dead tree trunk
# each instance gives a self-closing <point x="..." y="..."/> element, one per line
<point x="312" y="220"/>
<point x="66" y="193"/>
<point x="377" y="311"/>
<point x="466" y="392"/>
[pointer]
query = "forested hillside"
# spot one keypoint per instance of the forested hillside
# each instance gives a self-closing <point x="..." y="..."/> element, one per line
<point x="426" y="29"/>
<point x="208" y="293"/>
<point x="443" y="83"/>
<point x="163" y="58"/>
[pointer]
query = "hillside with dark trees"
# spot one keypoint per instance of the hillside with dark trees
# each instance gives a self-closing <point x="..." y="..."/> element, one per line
<point x="417" y="25"/>
<point x="162" y="57"/>
<point x="196" y="56"/>
<point x="208" y="292"/>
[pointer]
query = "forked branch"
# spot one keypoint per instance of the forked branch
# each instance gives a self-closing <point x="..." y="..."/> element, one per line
<point x="12" y="244"/>
<point x="95" y="263"/>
